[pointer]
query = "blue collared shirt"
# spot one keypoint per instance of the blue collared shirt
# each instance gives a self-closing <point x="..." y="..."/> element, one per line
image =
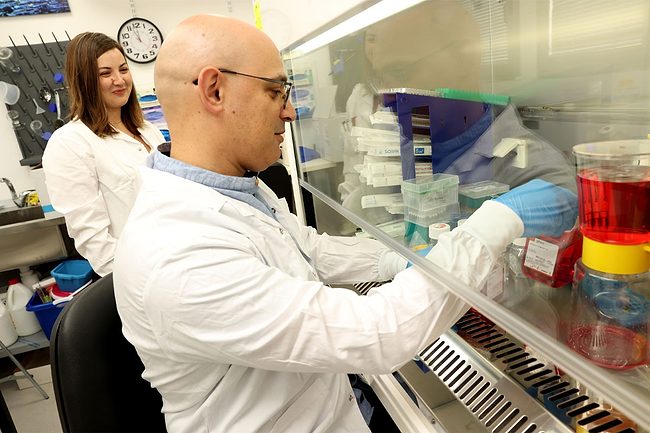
<point x="240" y="188"/>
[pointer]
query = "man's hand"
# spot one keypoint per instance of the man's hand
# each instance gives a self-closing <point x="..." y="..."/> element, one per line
<point x="543" y="207"/>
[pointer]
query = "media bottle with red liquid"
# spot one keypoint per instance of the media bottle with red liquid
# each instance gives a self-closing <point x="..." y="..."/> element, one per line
<point x="615" y="204"/>
<point x="551" y="260"/>
<point x="610" y="320"/>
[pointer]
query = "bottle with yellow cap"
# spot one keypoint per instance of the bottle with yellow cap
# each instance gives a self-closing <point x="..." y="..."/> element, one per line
<point x="611" y="288"/>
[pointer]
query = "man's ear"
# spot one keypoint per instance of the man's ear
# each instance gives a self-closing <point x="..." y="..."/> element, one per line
<point x="210" y="91"/>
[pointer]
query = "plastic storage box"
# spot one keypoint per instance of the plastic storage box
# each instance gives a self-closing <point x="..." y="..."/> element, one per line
<point x="381" y="200"/>
<point x="72" y="274"/>
<point x="45" y="313"/>
<point x="430" y="192"/>
<point x="416" y="223"/>
<point x="472" y="195"/>
<point x="426" y="218"/>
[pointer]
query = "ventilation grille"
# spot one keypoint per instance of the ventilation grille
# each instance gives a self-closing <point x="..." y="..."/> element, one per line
<point x="499" y="403"/>
<point x="364" y="288"/>
<point x="478" y="381"/>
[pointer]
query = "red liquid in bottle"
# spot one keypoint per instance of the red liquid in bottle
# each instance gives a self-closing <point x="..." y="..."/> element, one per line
<point x="615" y="204"/>
<point x="551" y="260"/>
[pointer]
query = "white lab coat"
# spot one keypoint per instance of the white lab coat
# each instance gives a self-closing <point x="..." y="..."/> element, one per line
<point x="90" y="180"/>
<point x="238" y="333"/>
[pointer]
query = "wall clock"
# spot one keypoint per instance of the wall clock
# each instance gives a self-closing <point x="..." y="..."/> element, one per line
<point x="141" y="40"/>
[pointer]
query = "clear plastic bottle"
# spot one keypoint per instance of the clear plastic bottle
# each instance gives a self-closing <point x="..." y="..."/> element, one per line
<point x="551" y="260"/>
<point x="515" y="256"/>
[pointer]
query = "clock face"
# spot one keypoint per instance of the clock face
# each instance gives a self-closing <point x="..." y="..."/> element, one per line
<point x="140" y="39"/>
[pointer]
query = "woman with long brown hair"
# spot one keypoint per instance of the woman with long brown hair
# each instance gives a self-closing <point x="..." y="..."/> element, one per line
<point x="90" y="163"/>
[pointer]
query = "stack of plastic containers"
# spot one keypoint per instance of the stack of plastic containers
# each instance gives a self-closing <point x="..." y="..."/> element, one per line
<point x="69" y="276"/>
<point x="428" y="200"/>
<point x="611" y="287"/>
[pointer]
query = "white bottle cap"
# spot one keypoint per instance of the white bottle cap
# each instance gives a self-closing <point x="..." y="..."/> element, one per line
<point x="461" y="222"/>
<point x="520" y="242"/>
<point x="436" y="229"/>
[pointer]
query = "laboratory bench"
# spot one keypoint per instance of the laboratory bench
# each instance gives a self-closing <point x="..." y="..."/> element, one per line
<point x="385" y="89"/>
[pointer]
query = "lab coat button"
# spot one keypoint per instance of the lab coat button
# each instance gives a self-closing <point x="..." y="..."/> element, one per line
<point x="350" y="397"/>
<point x="282" y="232"/>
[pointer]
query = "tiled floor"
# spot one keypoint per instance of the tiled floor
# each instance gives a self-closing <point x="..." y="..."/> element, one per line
<point x="30" y="412"/>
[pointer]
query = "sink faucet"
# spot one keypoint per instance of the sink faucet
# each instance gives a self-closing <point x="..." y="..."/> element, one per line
<point x="19" y="200"/>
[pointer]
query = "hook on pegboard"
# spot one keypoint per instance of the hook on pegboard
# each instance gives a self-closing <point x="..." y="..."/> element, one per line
<point x="37" y="81"/>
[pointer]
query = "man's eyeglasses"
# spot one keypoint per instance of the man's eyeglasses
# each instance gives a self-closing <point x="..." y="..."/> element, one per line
<point x="286" y="85"/>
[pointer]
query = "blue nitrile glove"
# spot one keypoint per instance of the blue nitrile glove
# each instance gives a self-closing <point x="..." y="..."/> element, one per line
<point x="422" y="253"/>
<point x="543" y="207"/>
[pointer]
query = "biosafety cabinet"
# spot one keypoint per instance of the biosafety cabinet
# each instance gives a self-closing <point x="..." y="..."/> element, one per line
<point x="412" y="113"/>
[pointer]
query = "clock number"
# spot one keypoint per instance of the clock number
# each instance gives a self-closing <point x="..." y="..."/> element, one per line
<point x="138" y="47"/>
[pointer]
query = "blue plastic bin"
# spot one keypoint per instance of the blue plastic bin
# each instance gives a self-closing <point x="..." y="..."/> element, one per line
<point x="45" y="313"/>
<point x="72" y="274"/>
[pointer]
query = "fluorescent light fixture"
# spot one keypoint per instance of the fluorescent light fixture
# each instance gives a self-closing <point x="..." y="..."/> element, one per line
<point x="373" y="14"/>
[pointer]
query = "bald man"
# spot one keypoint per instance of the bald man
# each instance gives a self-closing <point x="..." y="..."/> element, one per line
<point x="221" y="290"/>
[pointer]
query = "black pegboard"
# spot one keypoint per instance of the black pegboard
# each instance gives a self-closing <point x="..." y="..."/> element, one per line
<point x="41" y="67"/>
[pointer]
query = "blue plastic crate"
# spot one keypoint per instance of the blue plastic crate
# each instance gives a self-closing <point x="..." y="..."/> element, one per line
<point x="72" y="274"/>
<point x="45" y="313"/>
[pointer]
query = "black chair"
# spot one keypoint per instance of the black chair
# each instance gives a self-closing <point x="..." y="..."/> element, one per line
<point x="278" y="179"/>
<point x="96" y="372"/>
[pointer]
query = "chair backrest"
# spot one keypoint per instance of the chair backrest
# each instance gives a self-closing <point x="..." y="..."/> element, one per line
<point x="278" y="179"/>
<point x="96" y="372"/>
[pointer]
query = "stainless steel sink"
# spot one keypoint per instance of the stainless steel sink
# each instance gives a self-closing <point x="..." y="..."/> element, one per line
<point x="12" y="214"/>
<point x="28" y="238"/>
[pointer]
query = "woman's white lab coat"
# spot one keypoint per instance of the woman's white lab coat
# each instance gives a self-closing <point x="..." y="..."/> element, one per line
<point x="236" y="329"/>
<point x="90" y="180"/>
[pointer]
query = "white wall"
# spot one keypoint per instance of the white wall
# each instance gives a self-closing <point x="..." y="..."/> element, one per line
<point x="284" y="20"/>
<point x="98" y="16"/>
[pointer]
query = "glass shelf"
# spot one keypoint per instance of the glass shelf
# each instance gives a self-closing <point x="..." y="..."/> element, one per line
<point x="537" y="318"/>
<point x="444" y="86"/>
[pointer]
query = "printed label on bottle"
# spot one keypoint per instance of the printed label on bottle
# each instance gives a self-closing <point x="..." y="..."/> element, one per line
<point x="541" y="256"/>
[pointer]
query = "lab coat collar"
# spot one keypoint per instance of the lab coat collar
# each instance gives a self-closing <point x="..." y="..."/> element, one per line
<point x="244" y="189"/>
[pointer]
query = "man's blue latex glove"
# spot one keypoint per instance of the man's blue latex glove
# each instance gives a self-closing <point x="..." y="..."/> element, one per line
<point x="543" y="207"/>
